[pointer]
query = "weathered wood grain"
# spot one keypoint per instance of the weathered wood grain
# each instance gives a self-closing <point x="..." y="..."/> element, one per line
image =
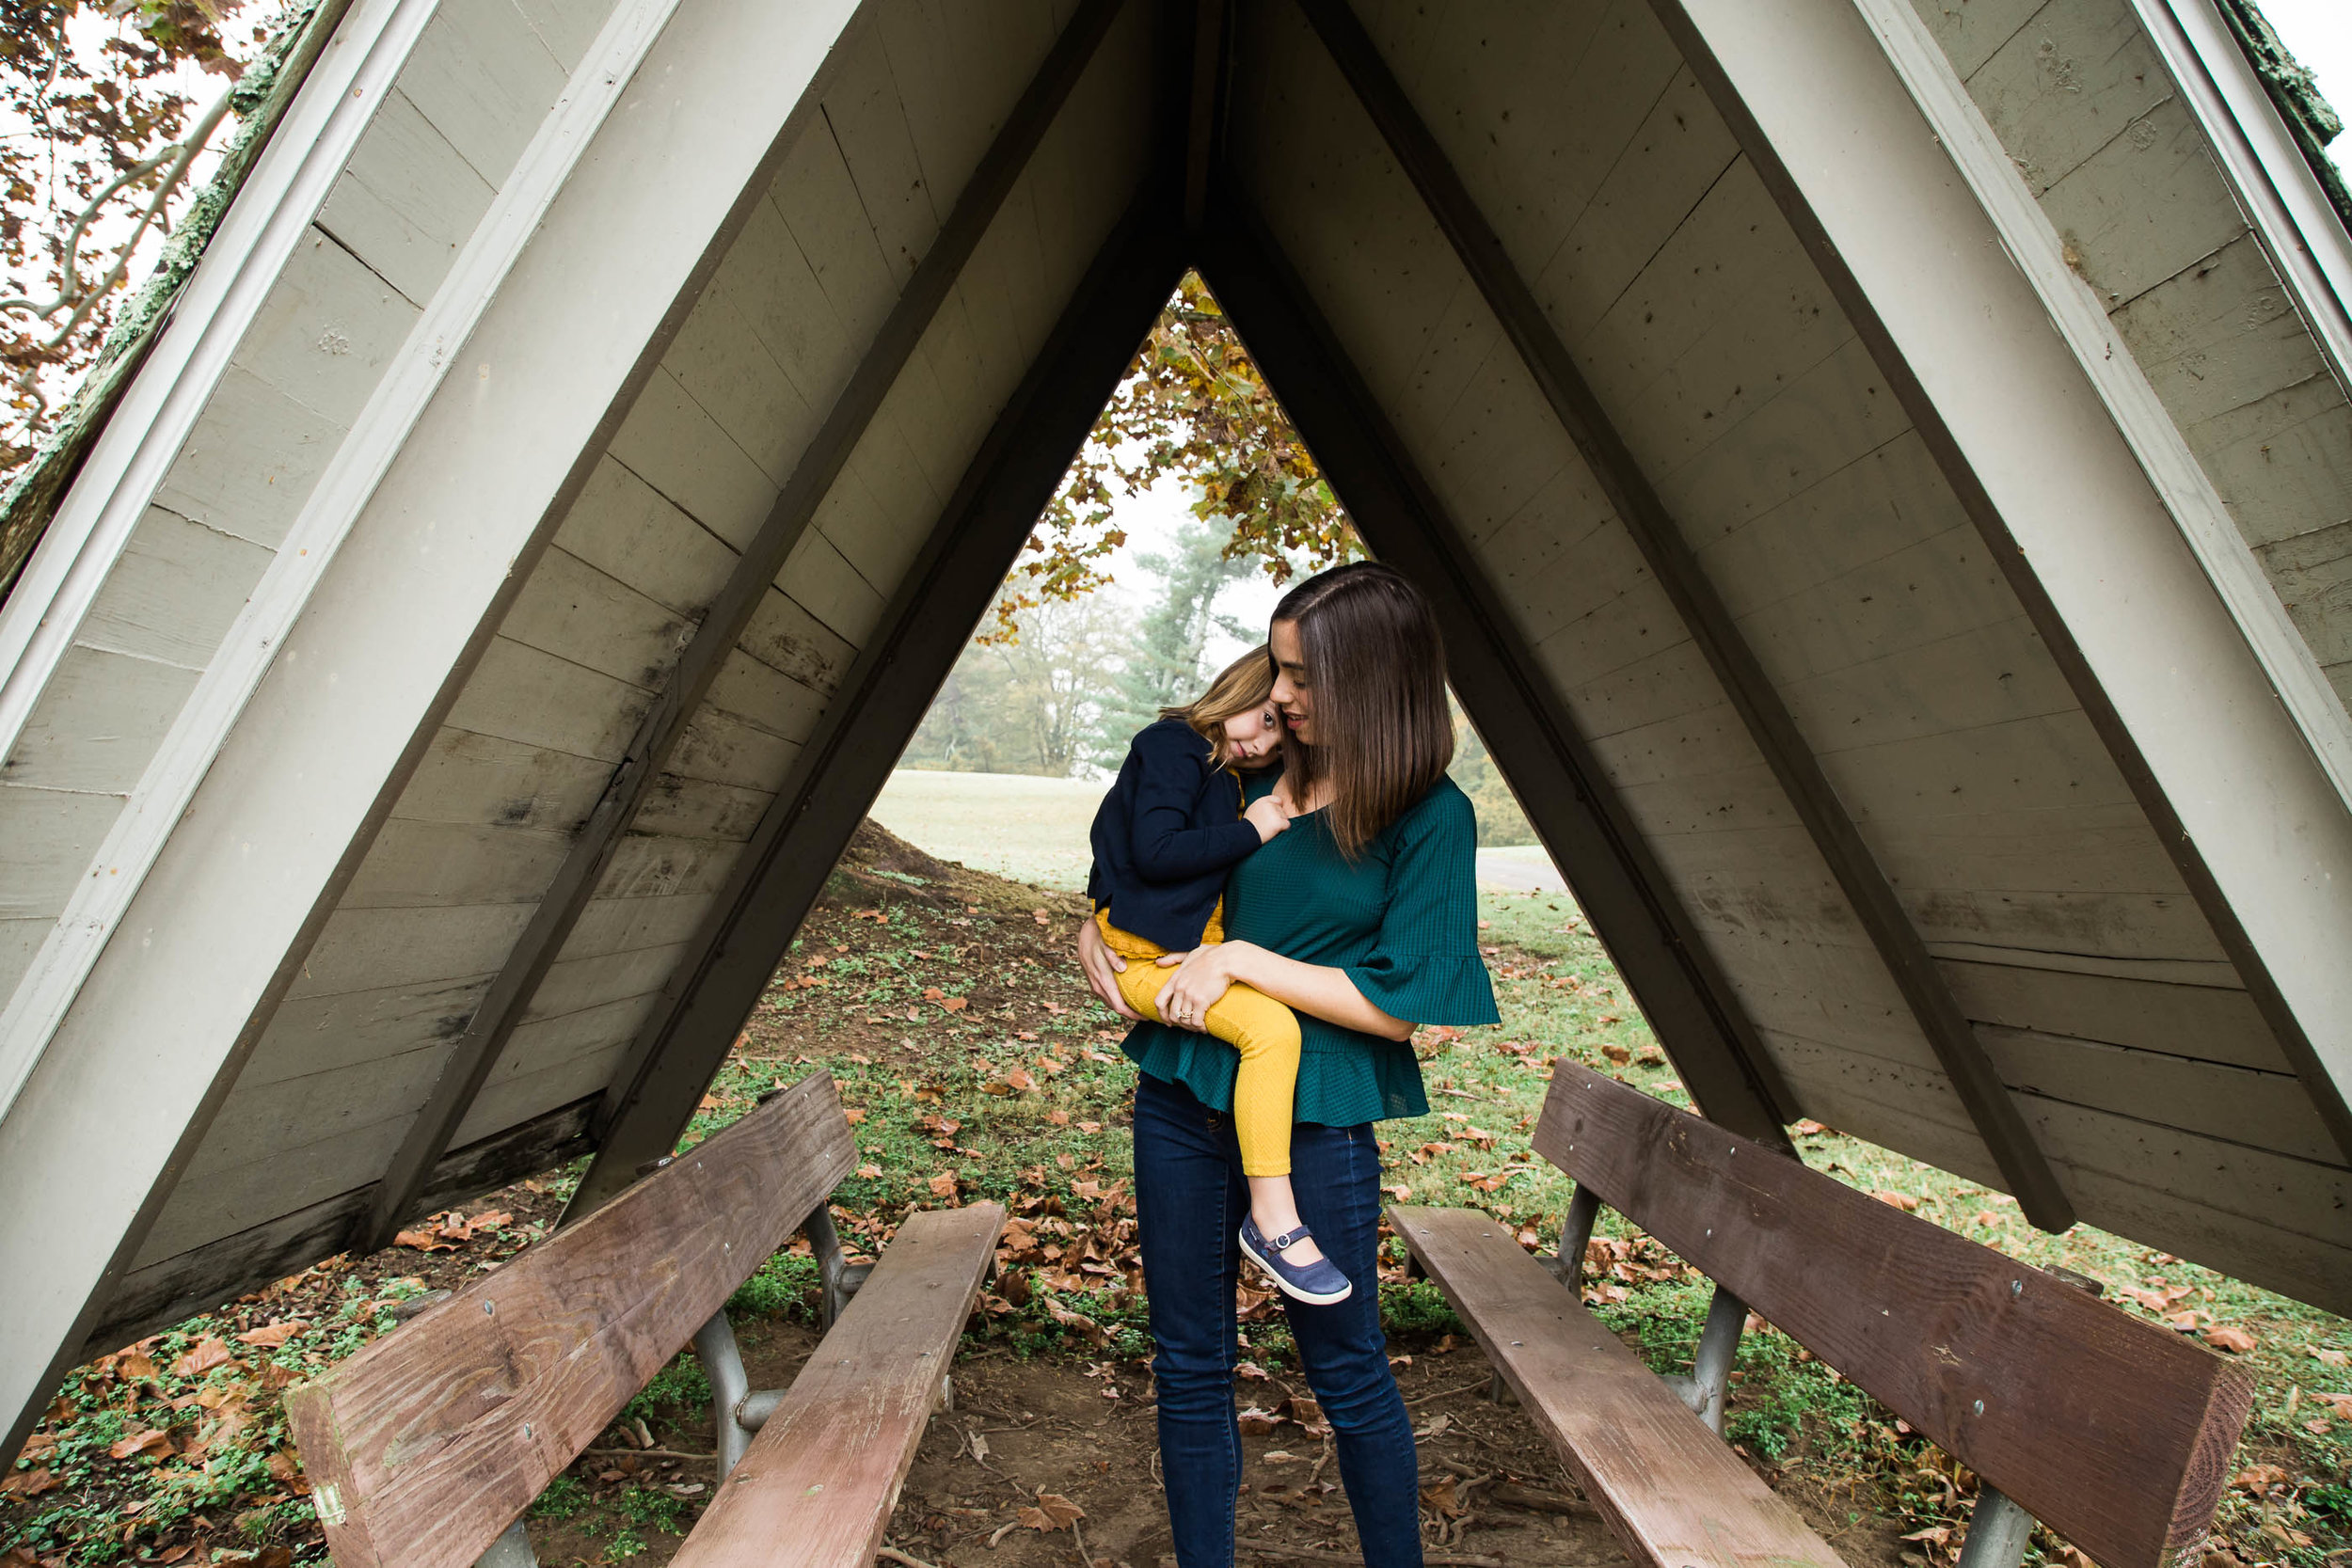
<point x="1674" y="1492"/>
<point x="405" y="201"/>
<point x="2114" y="1433"/>
<point x="423" y="1447"/>
<point x="817" y="1485"/>
<point x="156" y="1295"/>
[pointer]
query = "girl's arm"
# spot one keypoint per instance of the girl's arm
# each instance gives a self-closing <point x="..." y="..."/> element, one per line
<point x="1164" y="848"/>
<point x="1320" y="990"/>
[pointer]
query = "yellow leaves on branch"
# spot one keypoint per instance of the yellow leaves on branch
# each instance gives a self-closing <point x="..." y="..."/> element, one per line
<point x="1193" y="407"/>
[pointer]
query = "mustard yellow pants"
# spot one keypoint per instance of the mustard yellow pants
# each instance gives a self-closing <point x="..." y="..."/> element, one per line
<point x="1262" y="1029"/>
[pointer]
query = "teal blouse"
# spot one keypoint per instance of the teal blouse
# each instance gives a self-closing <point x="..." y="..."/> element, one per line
<point x="1401" y="919"/>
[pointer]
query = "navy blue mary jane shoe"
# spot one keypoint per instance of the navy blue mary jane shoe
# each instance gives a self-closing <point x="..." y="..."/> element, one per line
<point x="1319" y="1283"/>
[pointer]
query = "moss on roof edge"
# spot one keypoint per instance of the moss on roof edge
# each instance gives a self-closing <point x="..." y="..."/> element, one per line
<point x="267" y="90"/>
<point x="2310" y="120"/>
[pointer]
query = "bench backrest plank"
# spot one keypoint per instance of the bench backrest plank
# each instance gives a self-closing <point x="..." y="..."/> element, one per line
<point x="423" y="1447"/>
<point x="2114" y="1433"/>
<point x="818" y="1484"/>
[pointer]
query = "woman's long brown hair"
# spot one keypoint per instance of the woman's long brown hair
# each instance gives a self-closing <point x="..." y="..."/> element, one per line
<point x="1376" y="667"/>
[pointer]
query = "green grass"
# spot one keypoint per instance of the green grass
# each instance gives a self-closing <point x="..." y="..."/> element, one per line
<point x="1010" y="824"/>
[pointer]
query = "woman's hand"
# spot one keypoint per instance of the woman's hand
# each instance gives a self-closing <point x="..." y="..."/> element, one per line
<point x="1269" y="815"/>
<point x="1200" y="979"/>
<point x="1103" y="969"/>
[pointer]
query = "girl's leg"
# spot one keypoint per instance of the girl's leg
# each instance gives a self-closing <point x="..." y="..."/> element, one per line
<point x="1337" y="1172"/>
<point x="1264" y="1087"/>
<point x="1189" y="1201"/>
<point x="1141" y="982"/>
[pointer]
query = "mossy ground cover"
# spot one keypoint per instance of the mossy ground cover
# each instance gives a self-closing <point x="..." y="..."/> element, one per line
<point x="945" y="1004"/>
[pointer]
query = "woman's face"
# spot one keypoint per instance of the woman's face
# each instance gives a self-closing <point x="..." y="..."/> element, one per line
<point x="1251" y="738"/>
<point x="1292" y="693"/>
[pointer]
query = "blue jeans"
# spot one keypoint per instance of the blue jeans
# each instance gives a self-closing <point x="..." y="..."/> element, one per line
<point x="1190" y="1200"/>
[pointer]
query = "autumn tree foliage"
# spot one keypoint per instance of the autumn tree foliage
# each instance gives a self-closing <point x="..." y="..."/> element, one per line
<point x="107" y="107"/>
<point x="1192" y="406"/>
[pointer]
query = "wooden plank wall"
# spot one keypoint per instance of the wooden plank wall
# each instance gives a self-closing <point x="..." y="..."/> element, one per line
<point x="690" y="476"/>
<point x="481" y="77"/>
<point x="1945" y="726"/>
<point x="2081" y="100"/>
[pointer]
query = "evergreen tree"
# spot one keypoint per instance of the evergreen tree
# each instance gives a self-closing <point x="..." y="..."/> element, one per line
<point x="1162" y="667"/>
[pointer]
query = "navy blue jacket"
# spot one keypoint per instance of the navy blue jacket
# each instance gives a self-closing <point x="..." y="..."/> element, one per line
<point x="1165" y="835"/>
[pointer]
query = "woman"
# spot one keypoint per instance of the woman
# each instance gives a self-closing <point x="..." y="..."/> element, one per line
<point x="1364" y="919"/>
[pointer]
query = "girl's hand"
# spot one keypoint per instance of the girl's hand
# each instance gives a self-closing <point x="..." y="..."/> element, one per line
<point x="1269" y="815"/>
<point x="1200" y="979"/>
<point x="1102" y="968"/>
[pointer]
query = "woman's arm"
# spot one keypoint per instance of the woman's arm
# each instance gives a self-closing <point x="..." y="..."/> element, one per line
<point x="1102" y="968"/>
<point x="1320" y="990"/>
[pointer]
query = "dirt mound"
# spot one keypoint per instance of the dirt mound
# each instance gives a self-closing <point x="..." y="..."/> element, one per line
<point x="880" y="868"/>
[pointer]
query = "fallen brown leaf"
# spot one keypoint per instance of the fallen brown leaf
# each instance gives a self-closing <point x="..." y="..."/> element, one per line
<point x="200" y="1358"/>
<point x="2259" y="1479"/>
<point x="150" y="1442"/>
<point x="2227" y="1336"/>
<point x="29" y="1483"/>
<point x="272" y="1335"/>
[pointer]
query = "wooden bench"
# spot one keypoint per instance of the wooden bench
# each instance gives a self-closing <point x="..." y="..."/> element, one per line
<point x="2114" y="1433"/>
<point x="424" y="1449"/>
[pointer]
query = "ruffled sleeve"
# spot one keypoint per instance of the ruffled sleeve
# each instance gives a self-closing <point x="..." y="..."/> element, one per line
<point x="1424" y="964"/>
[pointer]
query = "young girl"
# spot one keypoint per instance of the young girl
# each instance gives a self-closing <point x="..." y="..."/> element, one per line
<point x="1166" y="833"/>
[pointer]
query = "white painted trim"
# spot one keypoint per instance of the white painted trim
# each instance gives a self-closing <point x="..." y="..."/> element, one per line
<point x="2187" y="490"/>
<point x="287" y="187"/>
<point x="2289" y="211"/>
<point x="137" y="835"/>
<point x="276" y="821"/>
<point x="2070" y="499"/>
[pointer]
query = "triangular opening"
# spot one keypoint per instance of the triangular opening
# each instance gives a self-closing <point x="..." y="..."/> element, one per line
<point x="1193" y="504"/>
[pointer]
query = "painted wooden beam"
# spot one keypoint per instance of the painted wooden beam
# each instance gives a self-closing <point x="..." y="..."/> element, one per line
<point x="1662" y="542"/>
<point x="1957" y="289"/>
<point x="1575" y="809"/>
<point x="476" y="1053"/>
<point x="85" y="538"/>
<point x="379" y="640"/>
<point x="877" y="705"/>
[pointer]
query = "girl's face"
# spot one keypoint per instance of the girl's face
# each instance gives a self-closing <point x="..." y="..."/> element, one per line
<point x="1292" y="693"/>
<point x="1252" y="738"/>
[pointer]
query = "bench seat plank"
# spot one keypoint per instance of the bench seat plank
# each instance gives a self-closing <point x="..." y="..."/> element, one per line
<point x="1675" y="1493"/>
<point x="2114" y="1433"/>
<point x="818" y="1484"/>
<point x="424" y="1446"/>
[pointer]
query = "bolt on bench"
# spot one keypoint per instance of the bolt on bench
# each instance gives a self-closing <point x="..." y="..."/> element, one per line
<point x="425" y="1448"/>
<point x="2115" y="1434"/>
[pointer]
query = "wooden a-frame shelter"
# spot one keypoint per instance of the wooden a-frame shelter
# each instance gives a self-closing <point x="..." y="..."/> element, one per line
<point x="1883" y="467"/>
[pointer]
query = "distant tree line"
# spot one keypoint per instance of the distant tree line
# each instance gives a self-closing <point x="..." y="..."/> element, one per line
<point x="1061" y="695"/>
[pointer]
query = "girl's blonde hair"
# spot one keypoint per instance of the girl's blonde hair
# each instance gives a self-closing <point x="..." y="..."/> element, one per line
<point x="1246" y="683"/>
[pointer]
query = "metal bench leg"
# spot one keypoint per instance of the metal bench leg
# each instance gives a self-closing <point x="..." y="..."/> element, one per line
<point x="730" y="1388"/>
<point x="1718" y="1347"/>
<point x="736" y="1411"/>
<point x="1575" y="1232"/>
<point x="511" y="1549"/>
<point x="840" y="1277"/>
<point x="1998" y="1533"/>
<point x="1710" y="1381"/>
